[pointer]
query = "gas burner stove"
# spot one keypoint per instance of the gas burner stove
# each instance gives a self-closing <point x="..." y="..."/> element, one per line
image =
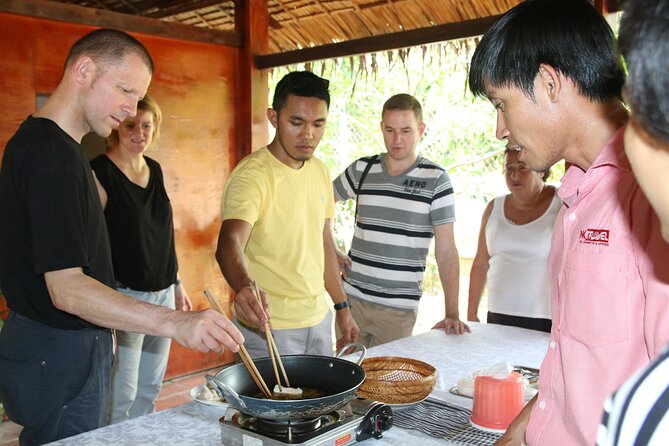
<point x="359" y="420"/>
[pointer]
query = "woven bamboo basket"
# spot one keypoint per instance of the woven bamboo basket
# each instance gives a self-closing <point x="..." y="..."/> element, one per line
<point x="395" y="380"/>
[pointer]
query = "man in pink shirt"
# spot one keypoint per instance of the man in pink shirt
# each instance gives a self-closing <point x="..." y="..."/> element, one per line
<point x="551" y="70"/>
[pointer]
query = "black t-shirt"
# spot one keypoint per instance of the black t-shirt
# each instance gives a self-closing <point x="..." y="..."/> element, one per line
<point x="50" y="219"/>
<point x="140" y="227"/>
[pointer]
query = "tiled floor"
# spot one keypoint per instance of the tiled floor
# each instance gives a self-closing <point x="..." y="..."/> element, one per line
<point x="174" y="392"/>
<point x="177" y="391"/>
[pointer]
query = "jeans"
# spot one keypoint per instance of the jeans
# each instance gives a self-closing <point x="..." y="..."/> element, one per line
<point x="141" y="361"/>
<point x="54" y="383"/>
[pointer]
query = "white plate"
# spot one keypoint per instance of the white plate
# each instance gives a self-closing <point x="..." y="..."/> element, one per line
<point x="530" y="391"/>
<point x="398" y="407"/>
<point x="195" y="391"/>
<point x="456" y="390"/>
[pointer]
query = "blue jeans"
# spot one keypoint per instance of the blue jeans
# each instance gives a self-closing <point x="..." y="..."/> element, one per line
<point x="141" y="361"/>
<point x="54" y="383"/>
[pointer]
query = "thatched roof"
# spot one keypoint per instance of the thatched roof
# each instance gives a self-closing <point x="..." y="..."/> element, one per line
<point x="340" y="27"/>
<point x="300" y="24"/>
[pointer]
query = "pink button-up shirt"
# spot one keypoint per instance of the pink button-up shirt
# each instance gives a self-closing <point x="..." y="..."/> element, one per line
<point x="609" y="274"/>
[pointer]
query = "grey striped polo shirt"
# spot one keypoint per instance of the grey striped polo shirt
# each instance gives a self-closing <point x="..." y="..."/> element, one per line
<point x="393" y="231"/>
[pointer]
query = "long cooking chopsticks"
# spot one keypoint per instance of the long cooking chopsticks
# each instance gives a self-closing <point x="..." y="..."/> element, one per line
<point x="271" y="345"/>
<point x="243" y="353"/>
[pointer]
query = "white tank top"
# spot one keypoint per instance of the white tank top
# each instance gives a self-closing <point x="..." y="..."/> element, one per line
<point x="517" y="279"/>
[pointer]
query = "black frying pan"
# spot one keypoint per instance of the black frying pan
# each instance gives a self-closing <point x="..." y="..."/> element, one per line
<point x="337" y="379"/>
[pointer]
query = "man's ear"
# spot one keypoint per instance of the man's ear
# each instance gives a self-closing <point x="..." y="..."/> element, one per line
<point x="550" y="81"/>
<point x="84" y="70"/>
<point x="421" y="129"/>
<point x="273" y="117"/>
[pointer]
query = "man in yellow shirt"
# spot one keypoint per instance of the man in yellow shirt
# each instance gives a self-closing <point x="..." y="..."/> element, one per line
<point x="277" y="209"/>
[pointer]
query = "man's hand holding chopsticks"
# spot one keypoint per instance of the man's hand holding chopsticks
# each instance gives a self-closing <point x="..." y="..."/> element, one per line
<point x="249" y="310"/>
<point x="204" y="331"/>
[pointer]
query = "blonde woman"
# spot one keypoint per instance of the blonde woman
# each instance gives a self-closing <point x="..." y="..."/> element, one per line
<point x="139" y="218"/>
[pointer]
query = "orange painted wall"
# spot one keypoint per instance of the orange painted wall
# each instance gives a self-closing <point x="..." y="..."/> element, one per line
<point x="195" y="85"/>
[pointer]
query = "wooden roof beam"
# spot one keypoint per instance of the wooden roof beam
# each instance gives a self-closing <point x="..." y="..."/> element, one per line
<point x="95" y="17"/>
<point x="179" y="6"/>
<point x="403" y="39"/>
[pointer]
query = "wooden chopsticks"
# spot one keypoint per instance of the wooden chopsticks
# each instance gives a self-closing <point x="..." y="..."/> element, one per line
<point x="271" y="345"/>
<point x="255" y="374"/>
<point x="243" y="353"/>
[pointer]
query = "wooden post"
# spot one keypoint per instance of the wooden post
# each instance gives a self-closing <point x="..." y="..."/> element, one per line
<point x="251" y="127"/>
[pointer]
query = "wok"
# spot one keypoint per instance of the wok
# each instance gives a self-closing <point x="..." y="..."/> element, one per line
<point x="338" y="380"/>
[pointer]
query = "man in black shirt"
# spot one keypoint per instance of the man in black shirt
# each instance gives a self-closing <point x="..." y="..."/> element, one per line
<point x="55" y="262"/>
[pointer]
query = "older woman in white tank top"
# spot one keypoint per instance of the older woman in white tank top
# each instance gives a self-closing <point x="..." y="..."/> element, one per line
<point x="512" y="253"/>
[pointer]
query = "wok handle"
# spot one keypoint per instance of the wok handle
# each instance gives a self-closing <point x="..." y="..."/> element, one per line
<point x="359" y="346"/>
<point x="230" y="395"/>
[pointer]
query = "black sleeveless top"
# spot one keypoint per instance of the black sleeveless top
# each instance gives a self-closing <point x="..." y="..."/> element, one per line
<point x="140" y="227"/>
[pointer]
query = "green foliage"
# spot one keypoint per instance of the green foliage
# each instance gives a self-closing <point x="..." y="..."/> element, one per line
<point x="459" y="127"/>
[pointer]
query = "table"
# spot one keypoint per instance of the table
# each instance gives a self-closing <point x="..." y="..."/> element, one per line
<point x="454" y="357"/>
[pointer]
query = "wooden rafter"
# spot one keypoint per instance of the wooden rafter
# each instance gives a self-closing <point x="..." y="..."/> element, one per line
<point x="299" y="30"/>
<point x="178" y="7"/>
<point x="78" y="14"/>
<point x="398" y="40"/>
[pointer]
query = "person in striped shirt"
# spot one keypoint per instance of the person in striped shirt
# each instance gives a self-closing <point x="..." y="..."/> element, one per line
<point x="638" y="413"/>
<point x="403" y="200"/>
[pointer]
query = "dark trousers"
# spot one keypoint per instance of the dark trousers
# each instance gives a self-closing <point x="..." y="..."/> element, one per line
<point x="55" y="383"/>
<point x="518" y="321"/>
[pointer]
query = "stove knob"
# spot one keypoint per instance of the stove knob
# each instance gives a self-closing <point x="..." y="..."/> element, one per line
<point x="383" y="421"/>
<point x="378" y="419"/>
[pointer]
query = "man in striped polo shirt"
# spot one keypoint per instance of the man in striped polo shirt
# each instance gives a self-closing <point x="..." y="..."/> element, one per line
<point x="403" y="200"/>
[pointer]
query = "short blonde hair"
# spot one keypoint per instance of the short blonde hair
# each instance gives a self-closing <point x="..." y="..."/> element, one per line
<point x="404" y="101"/>
<point x="148" y="104"/>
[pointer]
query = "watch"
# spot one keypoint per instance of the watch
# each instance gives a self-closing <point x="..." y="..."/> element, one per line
<point x="342" y="305"/>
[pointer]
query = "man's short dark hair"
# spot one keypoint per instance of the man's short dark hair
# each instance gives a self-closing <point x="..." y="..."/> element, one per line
<point x="300" y="83"/>
<point x="569" y="35"/>
<point x="644" y="42"/>
<point x="108" y="47"/>
<point x="403" y="101"/>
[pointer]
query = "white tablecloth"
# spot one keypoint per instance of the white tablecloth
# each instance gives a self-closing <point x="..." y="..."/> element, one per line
<point x="454" y="357"/>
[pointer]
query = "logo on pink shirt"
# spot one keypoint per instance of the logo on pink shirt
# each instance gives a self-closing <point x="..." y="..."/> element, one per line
<point x="595" y="236"/>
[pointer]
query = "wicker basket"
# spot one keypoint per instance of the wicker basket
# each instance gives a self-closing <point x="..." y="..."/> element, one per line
<point x="395" y="380"/>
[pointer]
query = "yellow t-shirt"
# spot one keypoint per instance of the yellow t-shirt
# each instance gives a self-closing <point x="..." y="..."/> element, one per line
<point x="287" y="209"/>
